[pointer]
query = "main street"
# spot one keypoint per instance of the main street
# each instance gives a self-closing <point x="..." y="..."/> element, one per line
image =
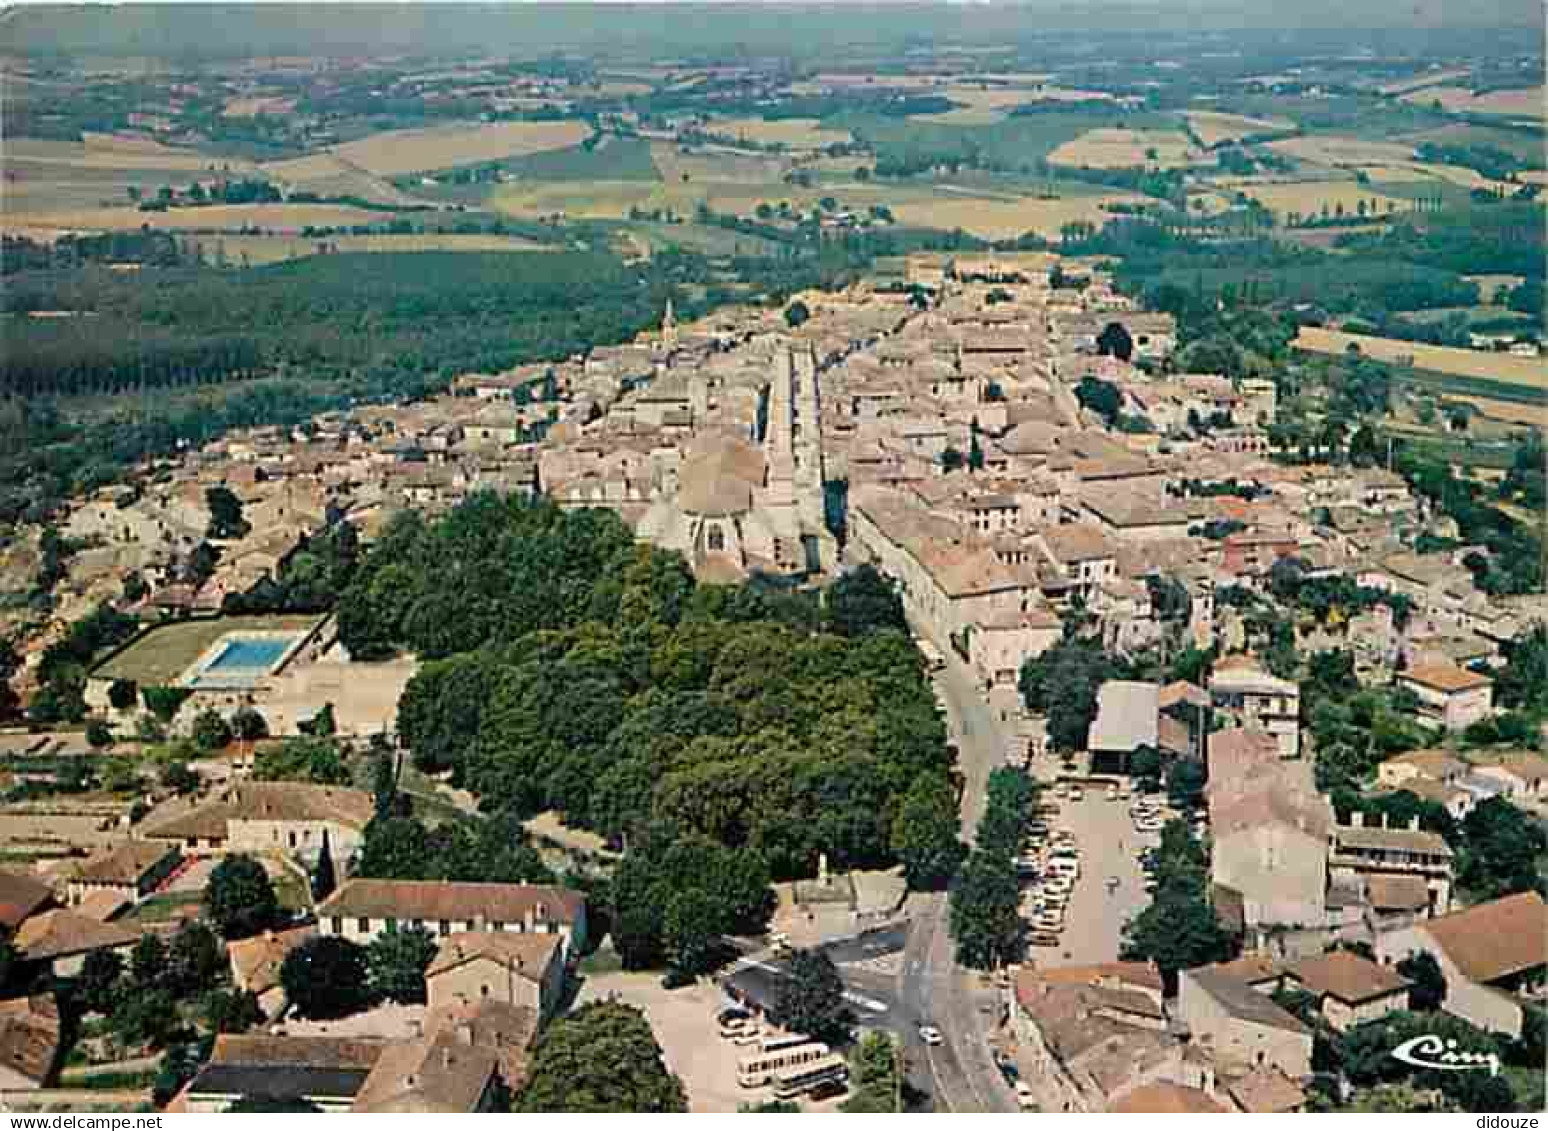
<point x="960" y="1073"/>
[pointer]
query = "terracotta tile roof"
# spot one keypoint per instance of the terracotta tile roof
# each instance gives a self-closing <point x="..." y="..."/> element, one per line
<point x="440" y="1074"/>
<point x="1168" y="1099"/>
<point x="436" y="900"/>
<point x="20" y="896"/>
<point x="256" y="962"/>
<point x="1344" y="975"/>
<point x="1077" y="542"/>
<point x="1496" y="939"/>
<point x="60" y="934"/>
<point x="125" y="864"/>
<point x="1445" y="677"/>
<point x="1251" y="969"/>
<point x="261" y="1050"/>
<point x="102" y="905"/>
<point x="1435" y="763"/>
<point x="519" y="951"/>
<point x="1266" y="1091"/>
<point x="1390" y="840"/>
<point x="29" y="1036"/>
<point x="508" y="1030"/>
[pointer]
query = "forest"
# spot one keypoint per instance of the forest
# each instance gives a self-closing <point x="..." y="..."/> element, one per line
<point x="570" y="669"/>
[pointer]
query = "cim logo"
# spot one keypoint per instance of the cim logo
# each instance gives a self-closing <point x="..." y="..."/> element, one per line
<point x="1430" y="1051"/>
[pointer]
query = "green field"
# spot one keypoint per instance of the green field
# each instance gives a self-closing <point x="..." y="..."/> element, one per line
<point x="613" y="159"/>
<point x="164" y="653"/>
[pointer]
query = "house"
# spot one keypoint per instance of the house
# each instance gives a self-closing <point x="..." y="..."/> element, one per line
<point x="1349" y="990"/>
<point x="1164" y="1098"/>
<point x="1250" y="697"/>
<point x="1523" y="776"/>
<point x="256" y="963"/>
<point x="518" y="969"/>
<point x="131" y="871"/>
<point x="1437" y="765"/>
<point x="509" y="1031"/>
<point x="1361" y="850"/>
<point x="1494" y="957"/>
<point x="1240" y="1026"/>
<point x="1451" y="696"/>
<point x="63" y="938"/>
<point x="445" y="1074"/>
<point x="290" y="817"/>
<point x="362" y="909"/>
<point x="1271" y="850"/>
<point x="21" y="896"/>
<point x="326" y="1071"/>
<point x="29" y="1042"/>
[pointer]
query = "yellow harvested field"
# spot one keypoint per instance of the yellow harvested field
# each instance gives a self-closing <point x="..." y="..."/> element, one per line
<point x="395" y="152"/>
<point x="793" y="133"/>
<point x="1419" y="82"/>
<point x="1333" y="150"/>
<point x="1212" y="127"/>
<point x="1007" y="219"/>
<point x="258" y="250"/>
<point x="1508" y="411"/>
<point x="1424" y="171"/>
<point x="285" y="218"/>
<point x="1523" y="103"/>
<point x="1111" y="148"/>
<point x="252" y="107"/>
<point x="116" y="152"/>
<point x="1503" y="367"/>
<point x="1308" y="197"/>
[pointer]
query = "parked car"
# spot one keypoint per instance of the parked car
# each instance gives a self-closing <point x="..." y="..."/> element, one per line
<point x="930" y="1035"/>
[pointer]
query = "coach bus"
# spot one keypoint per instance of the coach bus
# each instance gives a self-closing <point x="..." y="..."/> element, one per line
<point x="776" y="1055"/>
<point x="792" y="1082"/>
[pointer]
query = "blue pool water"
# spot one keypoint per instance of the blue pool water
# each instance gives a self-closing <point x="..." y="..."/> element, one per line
<point x="246" y="655"/>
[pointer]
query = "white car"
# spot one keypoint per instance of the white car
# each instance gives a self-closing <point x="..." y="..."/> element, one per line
<point x="930" y="1035"/>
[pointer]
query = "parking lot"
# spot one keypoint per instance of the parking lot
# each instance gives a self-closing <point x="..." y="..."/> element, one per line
<point x="1097" y="909"/>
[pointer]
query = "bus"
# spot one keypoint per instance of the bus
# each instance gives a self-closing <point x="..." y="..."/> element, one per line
<point x="792" y="1082"/>
<point x="776" y="1055"/>
<point x="934" y="661"/>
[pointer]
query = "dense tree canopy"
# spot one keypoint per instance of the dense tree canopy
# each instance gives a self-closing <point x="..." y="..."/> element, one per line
<point x="601" y="1058"/>
<point x="576" y="671"/>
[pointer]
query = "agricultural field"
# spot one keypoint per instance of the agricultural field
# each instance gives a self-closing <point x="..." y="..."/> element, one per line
<point x="164" y="653"/>
<point x="257" y="250"/>
<point x="1007" y="218"/>
<point x="281" y="218"/>
<point x="792" y="133"/>
<point x="1501" y="368"/>
<point x="718" y="164"/>
<point x="1522" y="144"/>
<point x="1336" y="151"/>
<point x="1522" y="103"/>
<point x="986" y="105"/>
<point x="252" y="107"/>
<point x="1309" y="197"/>
<point x="1213" y="128"/>
<point x="1115" y="148"/>
<point x="48" y="176"/>
<point x="397" y="152"/>
<point x="1420" y="81"/>
<point x="612" y="158"/>
<point x="326" y="174"/>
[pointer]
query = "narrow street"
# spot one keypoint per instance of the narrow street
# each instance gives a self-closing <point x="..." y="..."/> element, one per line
<point x="959" y="1073"/>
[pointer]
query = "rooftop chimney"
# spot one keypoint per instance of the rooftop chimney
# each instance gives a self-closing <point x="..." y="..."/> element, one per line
<point x="1357" y="819"/>
<point x="1413" y="823"/>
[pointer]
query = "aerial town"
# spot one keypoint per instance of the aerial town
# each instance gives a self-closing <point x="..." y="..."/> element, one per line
<point x="977" y="678"/>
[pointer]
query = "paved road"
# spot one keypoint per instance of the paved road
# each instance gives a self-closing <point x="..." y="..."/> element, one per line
<point x="960" y="1073"/>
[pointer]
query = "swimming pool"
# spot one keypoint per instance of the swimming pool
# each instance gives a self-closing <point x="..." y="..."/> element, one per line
<point x="249" y="654"/>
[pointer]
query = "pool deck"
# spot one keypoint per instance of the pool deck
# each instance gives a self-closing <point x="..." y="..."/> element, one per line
<point x="205" y="675"/>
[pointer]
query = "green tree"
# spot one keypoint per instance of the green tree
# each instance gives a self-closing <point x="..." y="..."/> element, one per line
<point x="984" y="916"/>
<point x="316" y="760"/>
<point x="148" y="1016"/>
<point x="148" y="961"/>
<point x="863" y="601"/>
<point x="239" y="897"/>
<point x="875" y="1075"/>
<point x="248" y="725"/>
<point x="231" y="1011"/>
<point x="397" y="960"/>
<point x="210" y="730"/>
<point x="123" y="694"/>
<point x="1114" y="340"/>
<point x="1429" y="981"/>
<point x="324" y="878"/>
<point x="97" y="986"/>
<point x="194" y="960"/>
<point x="326" y="977"/>
<point x="810" y="1000"/>
<point x="797" y="314"/>
<point x="1401" y="1099"/>
<point x="1501" y="845"/>
<point x="225" y="509"/>
<point x="603" y="1057"/>
<point x="924" y="835"/>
